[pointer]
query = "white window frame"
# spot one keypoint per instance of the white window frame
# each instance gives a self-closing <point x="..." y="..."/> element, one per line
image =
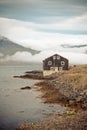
<point x="49" y="62"/>
<point x="51" y="68"/>
<point x="54" y="57"/>
<point x="58" y="57"/>
<point x="60" y="68"/>
<point x="62" y="62"/>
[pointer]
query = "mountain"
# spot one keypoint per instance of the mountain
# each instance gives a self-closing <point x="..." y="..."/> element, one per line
<point x="82" y="48"/>
<point x="73" y="46"/>
<point x="7" y="47"/>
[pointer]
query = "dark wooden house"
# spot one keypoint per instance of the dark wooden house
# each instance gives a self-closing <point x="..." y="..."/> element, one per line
<point x="55" y="62"/>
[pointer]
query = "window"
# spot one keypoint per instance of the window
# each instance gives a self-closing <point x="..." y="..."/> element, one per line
<point x="54" y="57"/>
<point x="60" y="68"/>
<point x="58" y="57"/>
<point x="51" y="68"/>
<point x="62" y="63"/>
<point x="49" y="62"/>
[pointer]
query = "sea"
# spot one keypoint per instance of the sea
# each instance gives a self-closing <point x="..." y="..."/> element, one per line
<point x="21" y="106"/>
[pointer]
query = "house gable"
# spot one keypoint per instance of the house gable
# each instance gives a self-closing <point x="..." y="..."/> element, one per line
<point x="55" y="62"/>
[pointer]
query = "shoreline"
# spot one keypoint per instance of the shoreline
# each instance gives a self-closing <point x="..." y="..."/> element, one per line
<point x="65" y="122"/>
<point x="66" y="89"/>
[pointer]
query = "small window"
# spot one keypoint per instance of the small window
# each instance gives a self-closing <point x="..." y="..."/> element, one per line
<point x="58" y="57"/>
<point x="54" y="57"/>
<point x="49" y="62"/>
<point x="51" y="68"/>
<point x="62" y="63"/>
<point x="60" y="68"/>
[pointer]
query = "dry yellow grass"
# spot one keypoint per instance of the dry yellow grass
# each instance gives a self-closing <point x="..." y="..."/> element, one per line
<point x="65" y="85"/>
<point x="74" y="122"/>
<point x="77" y="80"/>
<point x="76" y="76"/>
<point x="78" y="69"/>
<point x="52" y="95"/>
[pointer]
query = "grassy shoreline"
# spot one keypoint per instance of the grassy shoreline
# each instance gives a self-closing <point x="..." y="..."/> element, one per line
<point x="68" y="89"/>
<point x="76" y="121"/>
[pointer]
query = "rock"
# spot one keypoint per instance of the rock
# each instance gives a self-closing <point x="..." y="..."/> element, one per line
<point x="84" y="106"/>
<point x="25" y="88"/>
<point x="71" y="102"/>
<point x="16" y="76"/>
<point x="78" y="99"/>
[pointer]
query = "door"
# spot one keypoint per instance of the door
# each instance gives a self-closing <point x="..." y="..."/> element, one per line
<point x="56" y="68"/>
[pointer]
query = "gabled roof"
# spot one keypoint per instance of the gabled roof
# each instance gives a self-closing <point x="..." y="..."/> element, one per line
<point x="55" y="55"/>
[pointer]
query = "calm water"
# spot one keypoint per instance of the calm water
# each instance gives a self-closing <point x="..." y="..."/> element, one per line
<point x="16" y="105"/>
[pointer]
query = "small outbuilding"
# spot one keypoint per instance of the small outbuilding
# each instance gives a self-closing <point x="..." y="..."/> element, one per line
<point x="54" y="63"/>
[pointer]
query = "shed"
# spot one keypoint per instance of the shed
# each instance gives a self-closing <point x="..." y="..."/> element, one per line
<point x="55" y="63"/>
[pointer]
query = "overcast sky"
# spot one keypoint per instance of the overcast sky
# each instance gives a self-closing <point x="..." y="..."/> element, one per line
<point x="41" y="10"/>
<point x="44" y="24"/>
<point x="46" y="16"/>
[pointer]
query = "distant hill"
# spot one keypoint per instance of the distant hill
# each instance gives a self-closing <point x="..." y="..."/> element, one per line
<point x="7" y="47"/>
<point x="70" y="46"/>
<point x="73" y="46"/>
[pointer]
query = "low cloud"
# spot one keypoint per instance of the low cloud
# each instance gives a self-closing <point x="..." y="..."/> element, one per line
<point x="37" y="37"/>
<point x="41" y="36"/>
<point x="1" y="55"/>
<point x="19" y="1"/>
<point x="74" y="58"/>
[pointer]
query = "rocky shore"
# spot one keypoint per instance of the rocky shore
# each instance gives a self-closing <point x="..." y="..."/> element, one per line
<point x="35" y="74"/>
<point x="64" y="122"/>
<point x="66" y="91"/>
<point x="68" y="88"/>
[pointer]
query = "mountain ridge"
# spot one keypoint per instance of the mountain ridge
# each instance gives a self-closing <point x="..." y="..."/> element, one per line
<point x="8" y="47"/>
<point x="73" y="46"/>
